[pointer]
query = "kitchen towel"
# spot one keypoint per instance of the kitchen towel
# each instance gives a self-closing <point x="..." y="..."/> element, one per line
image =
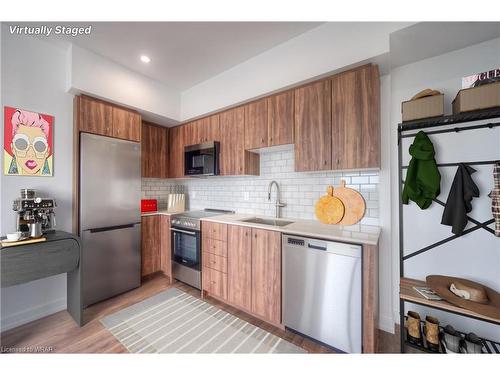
<point x="495" y="197"/>
<point x="458" y="204"/>
<point x="422" y="177"/>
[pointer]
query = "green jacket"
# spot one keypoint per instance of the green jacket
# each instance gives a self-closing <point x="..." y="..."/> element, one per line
<point x="422" y="177"/>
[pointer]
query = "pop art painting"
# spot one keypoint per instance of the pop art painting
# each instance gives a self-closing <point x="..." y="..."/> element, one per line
<point x="27" y="143"/>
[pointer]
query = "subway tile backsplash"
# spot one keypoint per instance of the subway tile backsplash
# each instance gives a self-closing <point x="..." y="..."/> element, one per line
<point x="299" y="190"/>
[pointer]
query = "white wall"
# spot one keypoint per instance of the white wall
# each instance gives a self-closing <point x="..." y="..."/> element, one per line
<point x="386" y="321"/>
<point x="321" y="50"/>
<point x="97" y="76"/>
<point x="476" y="255"/>
<point x="33" y="78"/>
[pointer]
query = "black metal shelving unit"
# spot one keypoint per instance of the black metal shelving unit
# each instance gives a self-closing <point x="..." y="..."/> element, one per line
<point x="489" y="346"/>
<point x="445" y="124"/>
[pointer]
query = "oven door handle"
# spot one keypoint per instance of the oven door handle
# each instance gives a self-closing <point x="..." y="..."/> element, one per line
<point x="183" y="231"/>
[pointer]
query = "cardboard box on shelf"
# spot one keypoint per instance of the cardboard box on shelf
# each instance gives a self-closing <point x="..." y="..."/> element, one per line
<point x="424" y="107"/>
<point x="477" y="98"/>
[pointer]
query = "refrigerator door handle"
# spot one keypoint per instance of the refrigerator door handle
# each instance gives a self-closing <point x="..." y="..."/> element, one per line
<point x="114" y="227"/>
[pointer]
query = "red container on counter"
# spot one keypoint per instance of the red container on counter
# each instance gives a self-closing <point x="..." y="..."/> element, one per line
<point x="149" y="205"/>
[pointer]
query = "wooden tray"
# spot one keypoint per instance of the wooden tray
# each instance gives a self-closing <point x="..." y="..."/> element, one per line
<point x="354" y="204"/>
<point x="23" y="242"/>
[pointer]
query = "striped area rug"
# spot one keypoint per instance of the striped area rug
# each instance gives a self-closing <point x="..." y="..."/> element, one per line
<point x="176" y="322"/>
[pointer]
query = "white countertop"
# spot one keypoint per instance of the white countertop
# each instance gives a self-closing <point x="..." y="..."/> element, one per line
<point x="359" y="234"/>
<point x="160" y="212"/>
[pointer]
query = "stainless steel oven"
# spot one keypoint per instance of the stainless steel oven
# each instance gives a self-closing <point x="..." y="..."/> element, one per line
<point x="186" y="255"/>
<point x="201" y="159"/>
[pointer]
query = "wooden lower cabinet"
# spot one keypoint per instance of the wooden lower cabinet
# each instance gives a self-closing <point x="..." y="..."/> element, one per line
<point x="216" y="262"/>
<point x="150" y="244"/>
<point x="240" y="266"/>
<point x="215" y="283"/>
<point x="215" y="231"/>
<point x="213" y="246"/>
<point x="165" y="246"/>
<point x="266" y="274"/>
<point x="254" y="271"/>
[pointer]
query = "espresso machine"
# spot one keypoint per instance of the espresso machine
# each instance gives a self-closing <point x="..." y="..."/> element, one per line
<point x="35" y="215"/>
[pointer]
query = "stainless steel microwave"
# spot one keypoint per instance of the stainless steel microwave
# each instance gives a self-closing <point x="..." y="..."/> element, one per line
<point x="202" y="159"/>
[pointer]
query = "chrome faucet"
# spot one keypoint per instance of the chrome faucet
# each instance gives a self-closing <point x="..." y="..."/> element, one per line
<point x="278" y="203"/>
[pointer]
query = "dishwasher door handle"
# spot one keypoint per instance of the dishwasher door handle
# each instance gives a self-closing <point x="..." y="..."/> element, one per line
<point x="316" y="247"/>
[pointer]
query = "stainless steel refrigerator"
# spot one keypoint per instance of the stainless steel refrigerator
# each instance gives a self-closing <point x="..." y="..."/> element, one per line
<point x="110" y="229"/>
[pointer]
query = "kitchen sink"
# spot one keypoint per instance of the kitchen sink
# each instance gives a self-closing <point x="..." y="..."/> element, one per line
<point x="274" y="222"/>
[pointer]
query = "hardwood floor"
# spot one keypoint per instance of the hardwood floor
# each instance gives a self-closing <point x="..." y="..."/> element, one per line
<point x="58" y="333"/>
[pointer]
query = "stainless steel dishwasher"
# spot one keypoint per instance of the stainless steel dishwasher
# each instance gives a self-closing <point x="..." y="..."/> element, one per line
<point x="322" y="291"/>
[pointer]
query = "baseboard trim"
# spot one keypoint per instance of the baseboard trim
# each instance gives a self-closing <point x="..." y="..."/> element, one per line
<point x="31" y="314"/>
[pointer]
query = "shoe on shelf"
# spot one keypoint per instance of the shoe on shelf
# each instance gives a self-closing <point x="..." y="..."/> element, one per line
<point x="432" y="333"/>
<point x="413" y="327"/>
<point x="472" y="344"/>
<point x="452" y="339"/>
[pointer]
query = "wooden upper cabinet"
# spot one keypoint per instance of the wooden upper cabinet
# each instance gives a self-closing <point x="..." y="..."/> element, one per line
<point x="126" y="124"/>
<point x="202" y="130"/>
<point x="210" y="129"/>
<point x="95" y="117"/>
<point x="280" y="118"/>
<point x="176" y="154"/>
<point x="239" y="268"/>
<point x="98" y="117"/>
<point x="234" y="159"/>
<point x="256" y="126"/>
<point x="313" y="129"/>
<point x="266" y="274"/>
<point x="192" y="133"/>
<point x="232" y="125"/>
<point x="154" y="151"/>
<point x="356" y="119"/>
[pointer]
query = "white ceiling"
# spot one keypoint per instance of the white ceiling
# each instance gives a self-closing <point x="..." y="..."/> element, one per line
<point x="184" y="54"/>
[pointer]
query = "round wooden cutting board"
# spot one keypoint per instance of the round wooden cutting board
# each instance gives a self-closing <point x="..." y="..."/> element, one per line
<point x="329" y="209"/>
<point x="354" y="204"/>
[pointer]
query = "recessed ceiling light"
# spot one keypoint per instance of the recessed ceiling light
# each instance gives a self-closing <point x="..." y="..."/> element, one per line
<point x="145" y="59"/>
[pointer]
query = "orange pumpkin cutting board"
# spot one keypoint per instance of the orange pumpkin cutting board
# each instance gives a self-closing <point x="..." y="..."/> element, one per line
<point x="354" y="204"/>
<point x="329" y="209"/>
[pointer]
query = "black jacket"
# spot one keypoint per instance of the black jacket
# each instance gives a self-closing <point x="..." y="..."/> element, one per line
<point x="458" y="204"/>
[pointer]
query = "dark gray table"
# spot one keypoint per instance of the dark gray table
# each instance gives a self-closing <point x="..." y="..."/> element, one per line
<point x="60" y="253"/>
